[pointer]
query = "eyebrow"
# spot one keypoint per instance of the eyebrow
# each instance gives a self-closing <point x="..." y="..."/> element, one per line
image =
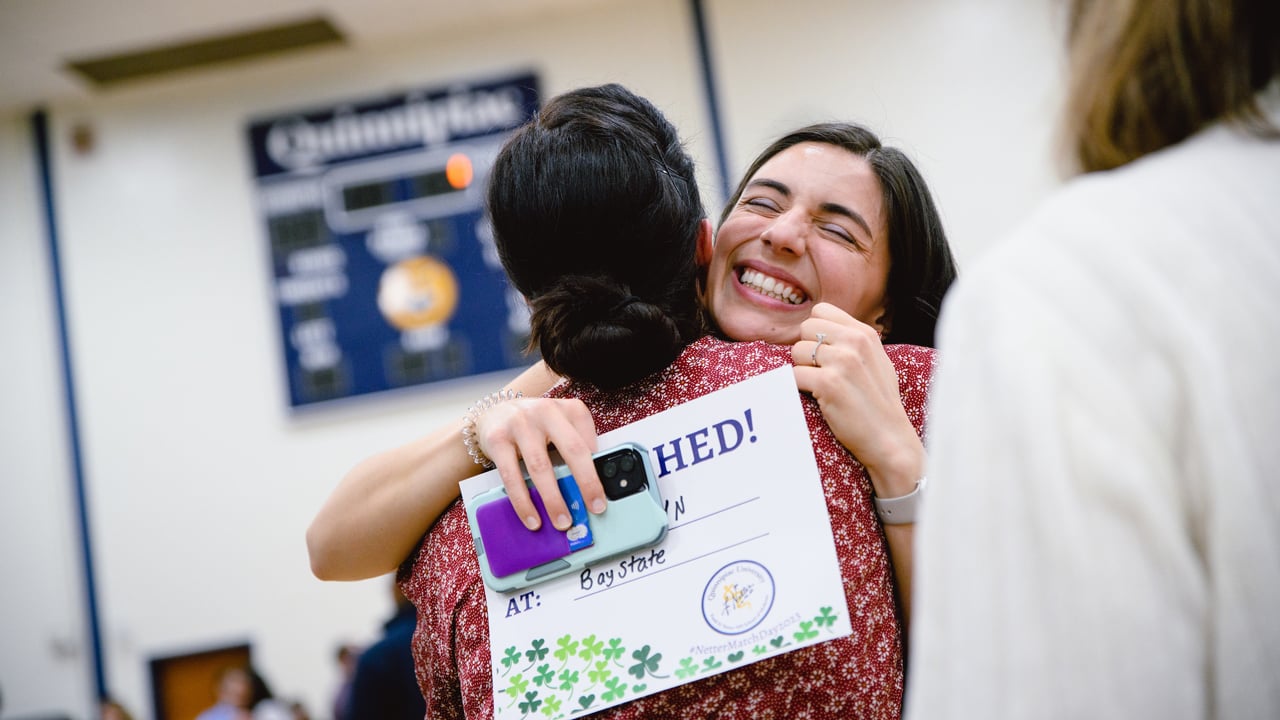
<point x="826" y="207"/>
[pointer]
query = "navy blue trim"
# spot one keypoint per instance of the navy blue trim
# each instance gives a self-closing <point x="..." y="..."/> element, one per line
<point x="40" y="130"/>
<point x="709" y="87"/>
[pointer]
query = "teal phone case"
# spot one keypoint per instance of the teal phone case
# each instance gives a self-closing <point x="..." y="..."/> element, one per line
<point x="628" y="524"/>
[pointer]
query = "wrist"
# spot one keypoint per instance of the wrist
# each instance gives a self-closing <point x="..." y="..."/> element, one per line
<point x="470" y="440"/>
<point x="896" y="474"/>
<point x="899" y="484"/>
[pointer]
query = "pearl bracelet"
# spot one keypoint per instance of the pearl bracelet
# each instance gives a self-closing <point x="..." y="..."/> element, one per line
<point x="901" y="510"/>
<point x="469" y="438"/>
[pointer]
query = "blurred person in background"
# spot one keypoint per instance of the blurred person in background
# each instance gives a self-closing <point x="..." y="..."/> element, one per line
<point x="1103" y="534"/>
<point x="235" y="689"/>
<point x="243" y="694"/>
<point x="112" y="710"/>
<point x="384" y="686"/>
<point x="348" y="655"/>
<point x="298" y="711"/>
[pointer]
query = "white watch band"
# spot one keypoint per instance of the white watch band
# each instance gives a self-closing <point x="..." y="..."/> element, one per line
<point x="901" y="510"/>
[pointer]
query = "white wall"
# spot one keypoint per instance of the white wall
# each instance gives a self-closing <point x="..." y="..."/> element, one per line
<point x="44" y="662"/>
<point x="200" y="481"/>
<point x="967" y="88"/>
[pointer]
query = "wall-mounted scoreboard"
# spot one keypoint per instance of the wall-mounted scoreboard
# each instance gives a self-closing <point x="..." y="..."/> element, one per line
<point x="384" y="268"/>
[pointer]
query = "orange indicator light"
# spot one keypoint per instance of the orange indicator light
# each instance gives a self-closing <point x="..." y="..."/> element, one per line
<point x="457" y="170"/>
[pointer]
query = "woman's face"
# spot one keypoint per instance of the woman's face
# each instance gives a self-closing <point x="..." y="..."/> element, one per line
<point x="236" y="688"/>
<point x="809" y="228"/>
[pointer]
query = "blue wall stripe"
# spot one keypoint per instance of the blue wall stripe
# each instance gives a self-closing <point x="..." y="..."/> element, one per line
<point x="40" y="130"/>
<point x="713" y="105"/>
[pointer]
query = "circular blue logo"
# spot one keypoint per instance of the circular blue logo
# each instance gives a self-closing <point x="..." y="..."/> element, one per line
<point x="738" y="597"/>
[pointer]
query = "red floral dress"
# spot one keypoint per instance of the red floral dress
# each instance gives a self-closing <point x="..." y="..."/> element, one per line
<point x="860" y="676"/>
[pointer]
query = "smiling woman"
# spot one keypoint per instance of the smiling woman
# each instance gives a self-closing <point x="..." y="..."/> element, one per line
<point x="620" y="319"/>
<point x="829" y="233"/>
<point x="829" y="214"/>
<point x="807" y="228"/>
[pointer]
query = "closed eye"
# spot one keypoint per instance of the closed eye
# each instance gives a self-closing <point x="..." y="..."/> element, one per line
<point x="765" y="195"/>
<point x="762" y="203"/>
<point x="839" y="233"/>
<point x="841" y="211"/>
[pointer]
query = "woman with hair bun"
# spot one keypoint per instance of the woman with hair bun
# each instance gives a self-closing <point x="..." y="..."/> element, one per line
<point x="830" y="234"/>
<point x="598" y="223"/>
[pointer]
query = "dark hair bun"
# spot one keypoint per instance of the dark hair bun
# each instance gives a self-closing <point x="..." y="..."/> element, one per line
<point x="593" y="330"/>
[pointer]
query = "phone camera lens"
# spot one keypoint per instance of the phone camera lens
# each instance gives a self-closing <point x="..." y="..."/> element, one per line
<point x="610" y="469"/>
<point x="628" y="463"/>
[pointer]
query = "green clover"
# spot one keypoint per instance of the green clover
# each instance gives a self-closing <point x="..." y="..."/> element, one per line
<point x="545" y="675"/>
<point x="600" y="674"/>
<point x="735" y="657"/>
<point x="779" y="642"/>
<point x="518" y="686"/>
<point x="512" y="657"/>
<point x="551" y="706"/>
<point x="825" y="618"/>
<point x="566" y="647"/>
<point x="638" y="688"/>
<point x="688" y="668"/>
<point x="644" y="663"/>
<point x="538" y="651"/>
<point x="531" y="702"/>
<point x="760" y="649"/>
<point x="568" y="678"/>
<point x="805" y="632"/>
<point x="586" y="700"/>
<point x="712" y="663"/>
<point x="617" y="688"/>
<point x="590" y="647"/>
<point x="615" y="649"/>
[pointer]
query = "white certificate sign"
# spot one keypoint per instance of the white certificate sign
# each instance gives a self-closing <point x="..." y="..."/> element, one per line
<point x="747" y="571"/>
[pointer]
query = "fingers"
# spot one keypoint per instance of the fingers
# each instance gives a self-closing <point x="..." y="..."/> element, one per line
<point x="836" y="352"/>
<point x="807" y="379"/>
<point x="506" y="458"/>
<point x="828" y="327"/>
<point x="855" y="384"/>
<point x="827" y="311"/>
<point x="576" y="444"/>
<point x="541" y="470"/>
<point x="524" y="429"/>
<point x="572" y="432"/>
<point x="814" y="341"/>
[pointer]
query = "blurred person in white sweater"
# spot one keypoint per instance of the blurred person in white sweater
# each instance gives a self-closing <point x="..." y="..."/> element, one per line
<point x="1102" y="535"/>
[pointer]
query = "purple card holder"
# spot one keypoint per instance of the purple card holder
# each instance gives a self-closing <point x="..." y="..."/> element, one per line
<point x="510" y="546"/>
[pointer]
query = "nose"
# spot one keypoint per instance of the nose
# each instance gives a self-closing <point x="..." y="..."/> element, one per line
<point x="788" y="233"/>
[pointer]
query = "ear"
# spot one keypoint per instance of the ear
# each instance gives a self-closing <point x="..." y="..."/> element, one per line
<point x="884" y="323"/>
<point x="706" y="241"/>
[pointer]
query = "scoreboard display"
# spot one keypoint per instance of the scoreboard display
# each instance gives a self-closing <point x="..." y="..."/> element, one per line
<point x="384" y="268"/>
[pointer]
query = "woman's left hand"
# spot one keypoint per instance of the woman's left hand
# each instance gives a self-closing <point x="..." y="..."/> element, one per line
<point x="856" y="386"/>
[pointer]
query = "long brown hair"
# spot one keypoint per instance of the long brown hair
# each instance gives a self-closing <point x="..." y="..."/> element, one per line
<point x="1146" y="74"/>
<point x="921" y="266"/>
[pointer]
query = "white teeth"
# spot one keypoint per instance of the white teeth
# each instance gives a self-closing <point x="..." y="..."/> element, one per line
<point x="771" y="286"/>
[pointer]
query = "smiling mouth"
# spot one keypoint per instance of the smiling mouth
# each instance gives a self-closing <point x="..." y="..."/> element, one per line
<point x="770" y="287"/>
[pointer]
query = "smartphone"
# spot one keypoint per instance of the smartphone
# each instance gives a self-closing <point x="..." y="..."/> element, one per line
<point x="512" y="557"/>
